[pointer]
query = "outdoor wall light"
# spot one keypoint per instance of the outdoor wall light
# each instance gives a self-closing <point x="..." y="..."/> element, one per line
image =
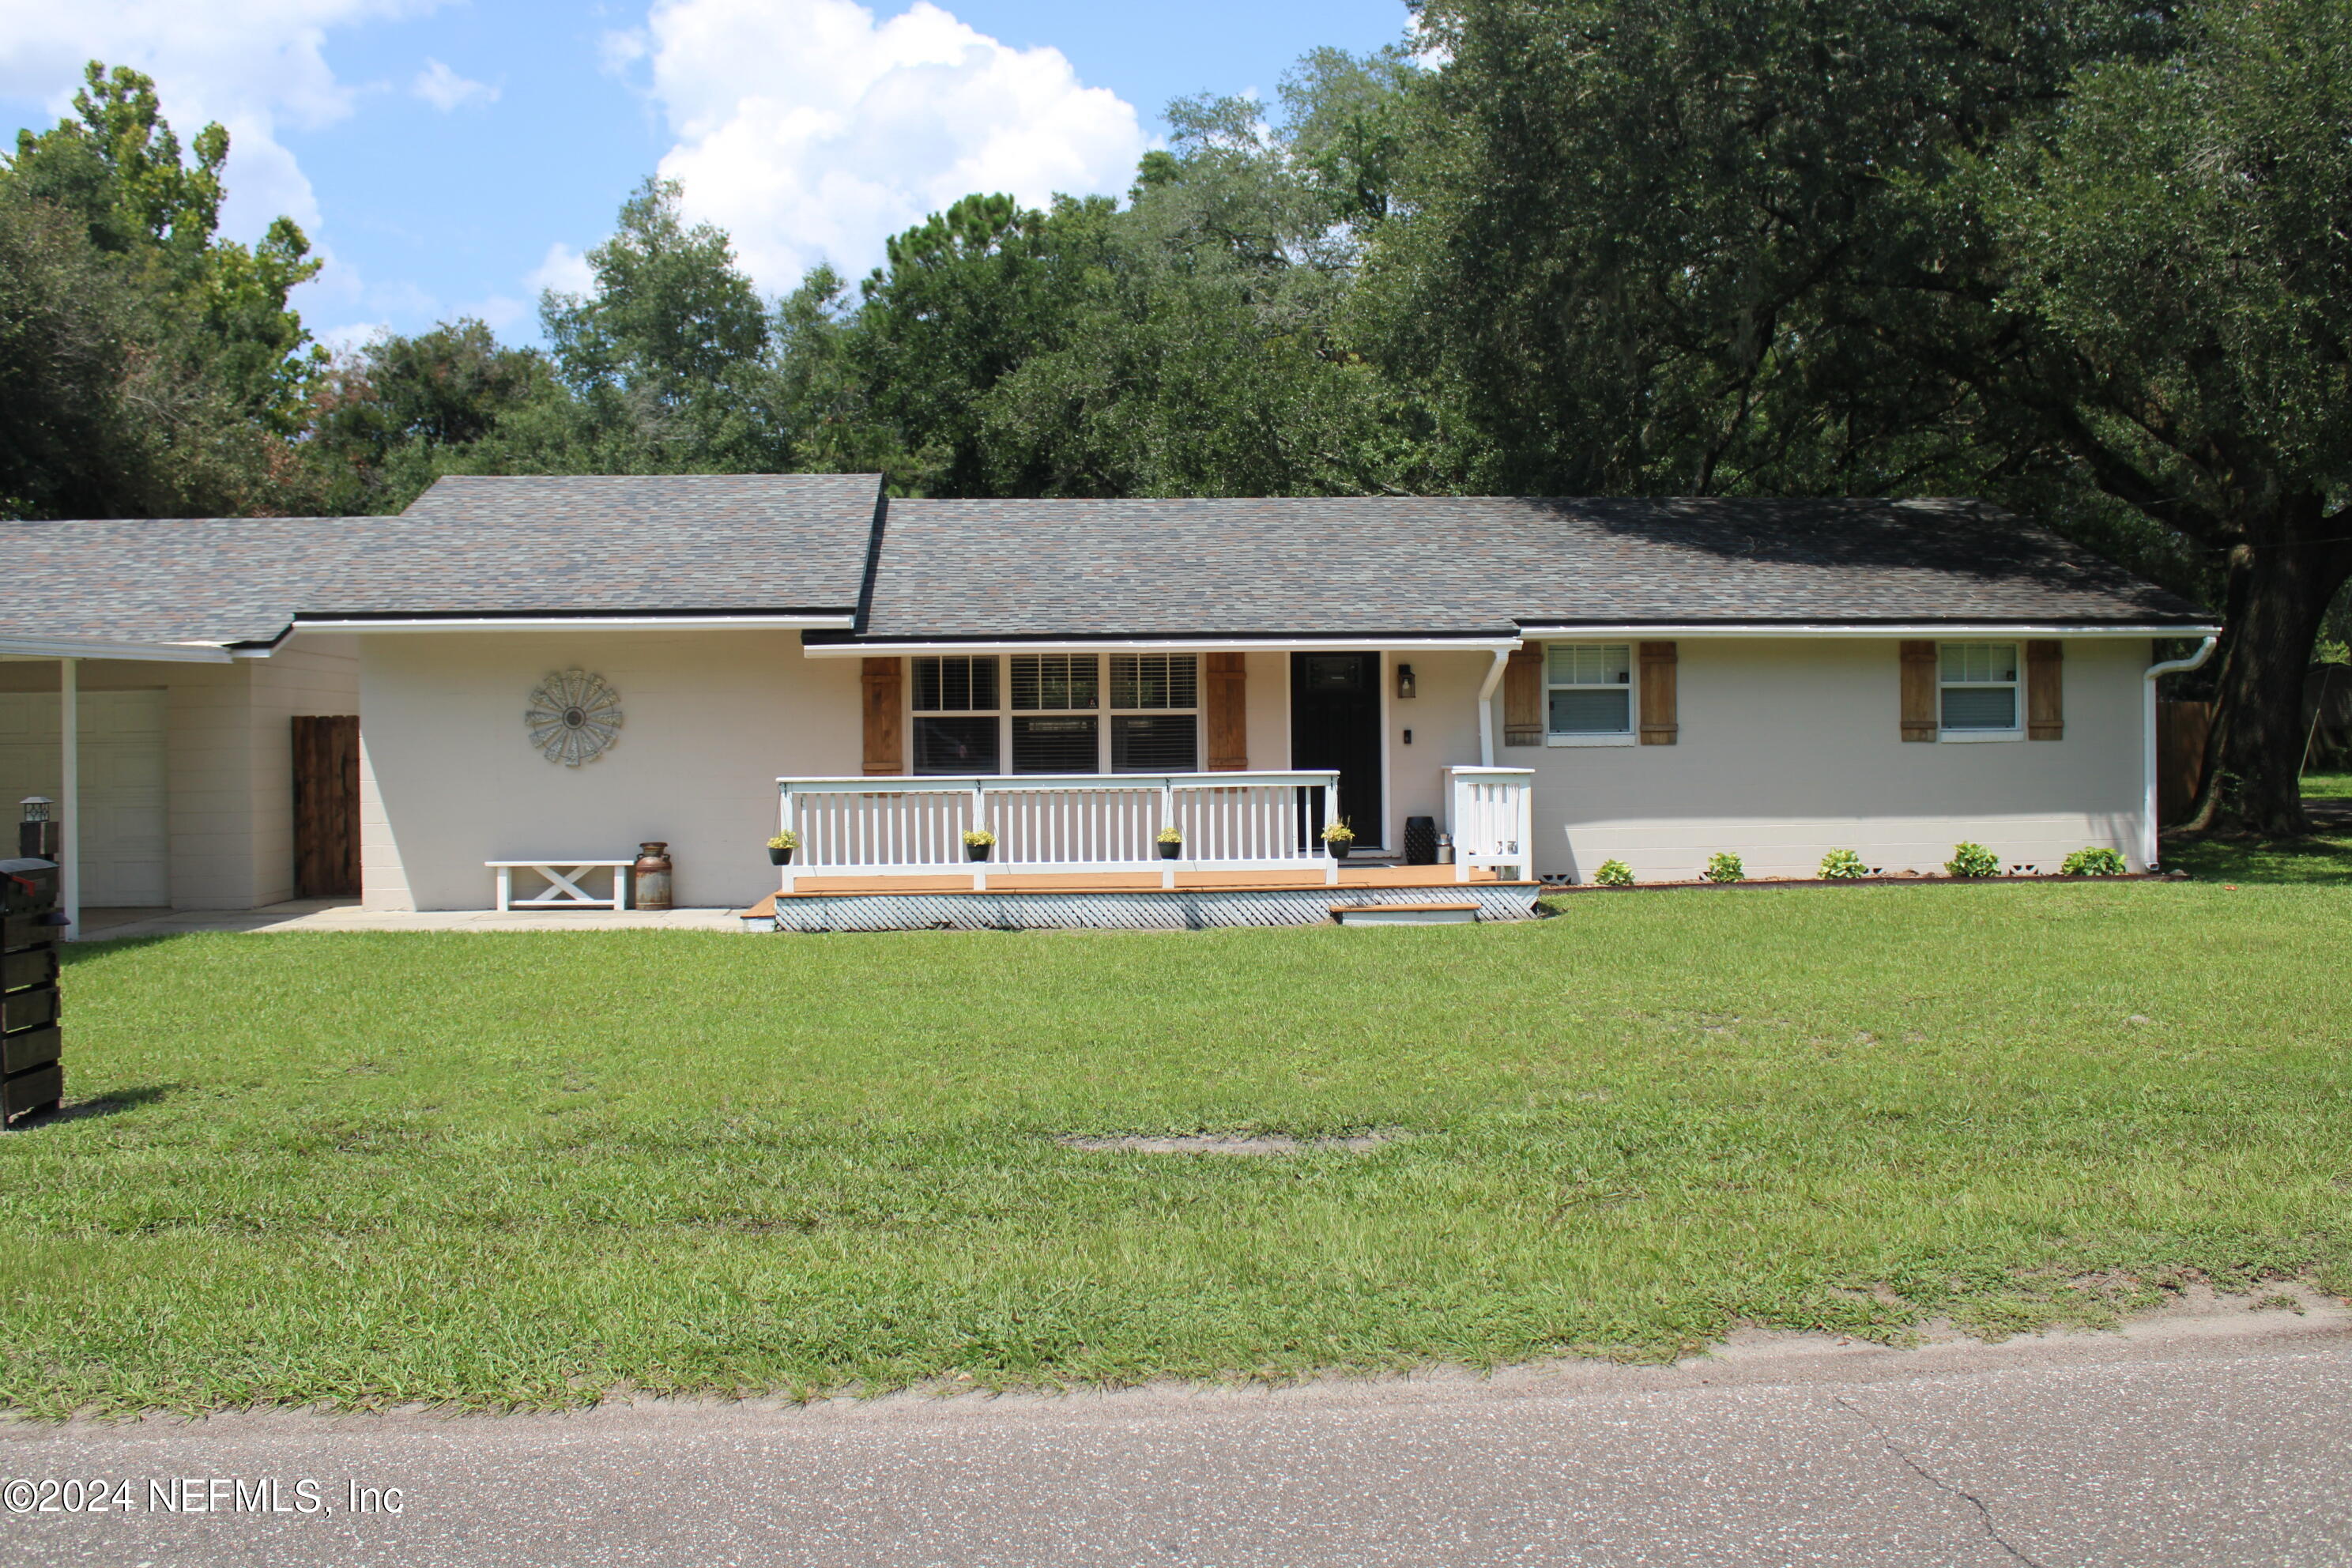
<point x="1404" y="680"/>
<point x="37" y="830"/>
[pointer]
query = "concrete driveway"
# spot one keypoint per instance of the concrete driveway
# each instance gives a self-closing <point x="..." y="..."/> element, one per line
<point x="2208" y="1438"/>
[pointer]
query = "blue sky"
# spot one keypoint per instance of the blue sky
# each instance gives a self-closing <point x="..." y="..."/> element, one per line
<point x="454" y="158"/>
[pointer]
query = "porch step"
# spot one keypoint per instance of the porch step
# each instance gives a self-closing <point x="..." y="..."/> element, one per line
<point x="1445" y="914"/>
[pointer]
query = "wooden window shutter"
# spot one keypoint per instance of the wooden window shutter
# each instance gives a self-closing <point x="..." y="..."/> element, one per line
<point x="886" y="727"/>
<point x="1228" y="702"/>
<point x="1523" y="717"/>
<point x="1659" y="727"/>
<point x="2045" y="691"/>
<point x="1919" y="690"/>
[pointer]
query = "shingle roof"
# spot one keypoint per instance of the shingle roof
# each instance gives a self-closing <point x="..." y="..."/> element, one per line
<point x="168" y="580"/>
<point x="558" y="544"/>
<point x="607" y="544"/>
<point x="981" y="570"/>
<point x="1354" y="567"/>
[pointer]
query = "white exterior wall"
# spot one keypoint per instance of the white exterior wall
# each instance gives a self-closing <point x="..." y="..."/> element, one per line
<point x="308" y="674"/>
<point x="228" y="756"/>
<point x="1443" y="715"/>
<point x="449" y="779"/>
<point x="1790" y="749"/>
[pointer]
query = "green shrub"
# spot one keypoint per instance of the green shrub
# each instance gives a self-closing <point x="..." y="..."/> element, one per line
<point x="1973" y="861"/>
<point x="2093" y="862"/>
<point x="1843" y="866"/>
<point x="1723" y="866"/>
<point x="1614" y="874"/>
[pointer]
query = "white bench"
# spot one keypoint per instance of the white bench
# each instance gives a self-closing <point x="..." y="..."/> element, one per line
<point x="564" y="888"/>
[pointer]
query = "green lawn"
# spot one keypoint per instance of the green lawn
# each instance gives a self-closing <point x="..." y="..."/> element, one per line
<point x="2331" y="786"/>
<point x="531" y="1168"/>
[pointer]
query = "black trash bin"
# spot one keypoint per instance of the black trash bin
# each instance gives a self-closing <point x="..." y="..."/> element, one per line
<point x="30" y="929"/>
<point x="1420" y="841"/>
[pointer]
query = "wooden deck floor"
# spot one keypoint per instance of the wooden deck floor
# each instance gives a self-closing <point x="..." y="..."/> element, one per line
<point x="1350" y="877"/>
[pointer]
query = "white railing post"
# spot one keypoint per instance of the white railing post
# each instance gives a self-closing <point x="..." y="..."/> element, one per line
<point x="1167" y="819"/>
<point x="785" y="818"/>
<point x="1330" y="805"/>
<point x="979" y="820"/>
<point x="1524" y="824"/>
<point x="1456" y="824"/>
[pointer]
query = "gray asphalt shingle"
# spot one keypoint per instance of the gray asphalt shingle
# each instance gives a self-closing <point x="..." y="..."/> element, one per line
<point x="603" y="543"/>
<point x="1354" y="567"/>
<point x="1357" y="567"/>
<point x="168" y="580"/>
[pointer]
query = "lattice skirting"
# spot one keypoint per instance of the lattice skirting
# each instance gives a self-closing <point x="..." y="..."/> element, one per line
<point x="1186" y="909"/>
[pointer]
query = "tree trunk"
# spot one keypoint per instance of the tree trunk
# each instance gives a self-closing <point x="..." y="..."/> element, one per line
<point x="2279" y="590"/>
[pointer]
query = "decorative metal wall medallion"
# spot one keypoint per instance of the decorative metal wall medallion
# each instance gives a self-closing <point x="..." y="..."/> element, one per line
<point x="573" y="716"/>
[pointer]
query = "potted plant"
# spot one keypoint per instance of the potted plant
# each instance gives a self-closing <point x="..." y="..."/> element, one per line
<point x="781" y="847"/>
<point x="978" y="843"/>
<point x="1338" y="838"/>
<point x="1171" y="843"/>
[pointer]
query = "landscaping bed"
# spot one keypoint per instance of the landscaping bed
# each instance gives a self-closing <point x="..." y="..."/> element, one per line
<point x="492" y="1169"/>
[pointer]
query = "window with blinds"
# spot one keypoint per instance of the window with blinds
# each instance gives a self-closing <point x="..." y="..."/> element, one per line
<point x="1978" y="687"/>
<point x="1589" y="689"/>
<point x="955" y="716"/>
<point x="1055" y="726"/>
<point x="1056" y="713"/>
<point x="1155" y="680"/>
<point x="1155" y="726"/>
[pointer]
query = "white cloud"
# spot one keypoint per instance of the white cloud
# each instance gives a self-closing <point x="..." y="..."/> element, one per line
<point x="500" y="311"/>
<point x="444" y="89"/>
<point x="252" y="64"/>
<point x="351" y="337"/>
<point x="810" y="131"/>
<point x="564" y="270"/>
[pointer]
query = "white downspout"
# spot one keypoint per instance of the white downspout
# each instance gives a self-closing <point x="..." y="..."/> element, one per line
<point x="2147" y="727"/>
<point x="69" y="794"/>
<point x="1487" y="707"/>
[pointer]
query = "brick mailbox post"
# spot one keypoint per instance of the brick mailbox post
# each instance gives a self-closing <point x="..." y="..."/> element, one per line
<point x="31" y="926"/>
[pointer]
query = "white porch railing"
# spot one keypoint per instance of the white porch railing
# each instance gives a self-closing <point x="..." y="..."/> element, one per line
<point x="1490" y="815"/>
<point x="1058" y="822"/>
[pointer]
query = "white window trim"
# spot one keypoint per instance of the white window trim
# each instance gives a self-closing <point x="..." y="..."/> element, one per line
<point x="1631" y="734"/>
<point x="1112" y="715"/>
<point x="2016" y="687"/>
<point x="1000" y="713"/>
<point x="1005" y="712"/>
<point x="1099" y="713"/>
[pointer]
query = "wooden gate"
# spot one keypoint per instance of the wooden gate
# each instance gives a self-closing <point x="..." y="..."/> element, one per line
<point x="327" y="806"/>
<point x="2181" y="729"/>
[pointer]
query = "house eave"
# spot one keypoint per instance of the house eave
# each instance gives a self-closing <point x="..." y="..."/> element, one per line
<point x="618" y="621"/>
<point x="1679" y="630"/>
<point x="112" y="648"/>
<point x="871" y="647"/>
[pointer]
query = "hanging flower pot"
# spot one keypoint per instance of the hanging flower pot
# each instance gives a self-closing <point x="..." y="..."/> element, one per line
<point x="978" y="843"/>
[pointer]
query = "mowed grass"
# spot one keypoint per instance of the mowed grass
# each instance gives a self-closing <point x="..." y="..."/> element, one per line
<point x="498" y="1170"/>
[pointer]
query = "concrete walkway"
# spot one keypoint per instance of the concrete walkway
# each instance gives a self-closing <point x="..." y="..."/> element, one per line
<point x="343" y="914"/>
<point x="2206" y="1440"/>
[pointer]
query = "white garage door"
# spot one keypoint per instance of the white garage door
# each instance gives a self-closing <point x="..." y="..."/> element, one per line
<point x="125" y="845"/>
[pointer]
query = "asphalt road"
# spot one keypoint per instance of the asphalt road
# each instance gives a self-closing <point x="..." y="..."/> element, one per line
<point x="2210" y="1440"/>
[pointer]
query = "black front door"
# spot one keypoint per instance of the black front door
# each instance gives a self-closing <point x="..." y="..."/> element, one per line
<point x="1335" y="723"/>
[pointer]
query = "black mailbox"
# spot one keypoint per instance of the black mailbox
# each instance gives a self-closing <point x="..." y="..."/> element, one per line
<point x="31" y="926"/>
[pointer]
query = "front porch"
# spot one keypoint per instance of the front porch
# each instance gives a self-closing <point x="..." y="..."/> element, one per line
<point x="1164" y="851"/>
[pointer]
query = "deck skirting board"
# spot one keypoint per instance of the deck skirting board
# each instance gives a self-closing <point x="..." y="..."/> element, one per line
<point x="1202" y="909"/>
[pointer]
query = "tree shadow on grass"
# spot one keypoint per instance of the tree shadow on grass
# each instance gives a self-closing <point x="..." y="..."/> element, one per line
<point x="2322" y="861"/>
<point x="113" y="1102"/>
